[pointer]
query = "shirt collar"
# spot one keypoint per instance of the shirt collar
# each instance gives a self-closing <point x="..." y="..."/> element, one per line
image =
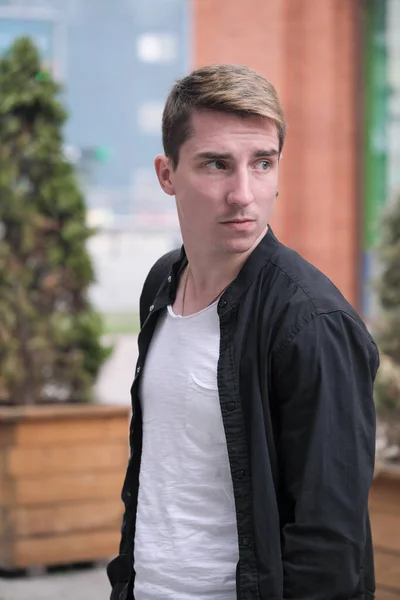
<point x="260" y="256"/>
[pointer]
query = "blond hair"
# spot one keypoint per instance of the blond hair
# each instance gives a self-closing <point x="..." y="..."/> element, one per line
<point x="223" y="87"/>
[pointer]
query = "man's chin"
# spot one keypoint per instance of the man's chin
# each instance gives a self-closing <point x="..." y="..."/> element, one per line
<point x="238" y="246"/>
<point x="242" y="244"/>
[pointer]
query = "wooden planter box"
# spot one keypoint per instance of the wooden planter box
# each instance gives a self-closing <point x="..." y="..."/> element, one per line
<point x="385" y="521"/>
<point x="61" y="473"/>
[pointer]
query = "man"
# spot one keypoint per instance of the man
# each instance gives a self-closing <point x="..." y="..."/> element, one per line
<point x="253" y="428"/>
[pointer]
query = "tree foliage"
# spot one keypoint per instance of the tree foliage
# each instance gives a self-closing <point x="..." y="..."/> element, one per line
<point x="50" y="335"/>
<point x="387" y="388"/>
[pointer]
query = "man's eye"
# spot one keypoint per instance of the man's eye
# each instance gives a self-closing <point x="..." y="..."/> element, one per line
<point x="264" y="165"/>
<point x="215" y="164"/>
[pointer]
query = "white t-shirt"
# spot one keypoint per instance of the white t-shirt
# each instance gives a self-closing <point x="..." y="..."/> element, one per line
<point x="186" y="544"/>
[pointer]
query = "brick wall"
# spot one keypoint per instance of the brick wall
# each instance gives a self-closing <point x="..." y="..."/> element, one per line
<point x="308" y="49"/>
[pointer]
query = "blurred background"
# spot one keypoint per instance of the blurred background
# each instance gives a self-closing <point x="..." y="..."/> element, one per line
<point x="336" y="66"/>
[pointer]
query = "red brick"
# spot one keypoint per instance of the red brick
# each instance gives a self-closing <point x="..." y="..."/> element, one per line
<point x="308" y="49"/>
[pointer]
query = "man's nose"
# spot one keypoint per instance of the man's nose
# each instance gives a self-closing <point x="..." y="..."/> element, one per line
<point x="240" y="192"/>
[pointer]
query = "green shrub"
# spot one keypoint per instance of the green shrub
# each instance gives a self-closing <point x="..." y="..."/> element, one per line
<point x="50" y="335"/>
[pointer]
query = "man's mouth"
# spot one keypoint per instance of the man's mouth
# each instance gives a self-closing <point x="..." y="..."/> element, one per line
<point x="239" y="224"/>
<point x="238" y="221"/>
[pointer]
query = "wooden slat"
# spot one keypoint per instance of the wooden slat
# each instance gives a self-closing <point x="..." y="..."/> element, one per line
<point x="3" y="460"/>
<point x="386" y="595"/>
<point x="56" y="459"/>
<point x="387" y="472"/>
<point x="5" y="492"/>
<point x="61" y="518"/>
<point x="386" y="530"/>
<point x="61" y="549"/>
<point x="72" y="431"/>
<point x="3" y="517"/>
<point x="384" y="495"/>
<point x="387" y="569"/>
<point x="61" y="474"/>
<point x="69" y="487"/>
<point x="52" y="412"/>
<point x="384" y="504"/>
<point x="6" y="435"/>
<point x="5" y="556"/>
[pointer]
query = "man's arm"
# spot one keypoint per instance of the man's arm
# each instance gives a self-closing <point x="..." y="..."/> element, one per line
<point x="323" y="382"/>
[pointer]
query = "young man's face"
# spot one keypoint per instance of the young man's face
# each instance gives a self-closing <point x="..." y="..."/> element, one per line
<point x="226" y="181"/>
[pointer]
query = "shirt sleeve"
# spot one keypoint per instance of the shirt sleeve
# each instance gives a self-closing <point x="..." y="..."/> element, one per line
<point x="323" y="383"/>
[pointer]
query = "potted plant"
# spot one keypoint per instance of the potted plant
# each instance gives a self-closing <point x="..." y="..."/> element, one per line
<point x="385" y="493"/>
<point x="62" y="457"/>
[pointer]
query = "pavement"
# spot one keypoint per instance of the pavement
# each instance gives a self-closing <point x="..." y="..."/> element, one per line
<point x="88" y="584"/>
<point x="115" y="380"/>
<point x="113" y="387"/>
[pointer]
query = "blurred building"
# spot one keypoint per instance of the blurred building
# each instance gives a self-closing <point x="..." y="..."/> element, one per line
<point x="335" y="63"/>
<point x="117" y="61"/>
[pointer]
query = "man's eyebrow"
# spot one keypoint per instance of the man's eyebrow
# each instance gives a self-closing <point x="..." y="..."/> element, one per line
<point x="215" y="155"/>
<point x="261" y="153"/>
<point x="271" y="152"/>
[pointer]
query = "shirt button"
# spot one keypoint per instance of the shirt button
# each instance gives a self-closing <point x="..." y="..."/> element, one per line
<point x="240" y="474"/>
<point x="231" y="406"/>
<point x="151" y="308"/>
<point x="169" y="279"/>
<point x="245" y="542"/>
<point x="222" y="303"/>
<point x="138" y="371"/>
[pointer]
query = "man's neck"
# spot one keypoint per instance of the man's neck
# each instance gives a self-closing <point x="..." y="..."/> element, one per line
<point x="210" y="272"/>
<point x="198" y="288"/>
<point x="207" y="276"/>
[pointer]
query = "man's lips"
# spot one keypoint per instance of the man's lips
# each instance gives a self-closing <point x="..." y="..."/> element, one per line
<point x="237" y="221"/>
<point x="239" y="224"/>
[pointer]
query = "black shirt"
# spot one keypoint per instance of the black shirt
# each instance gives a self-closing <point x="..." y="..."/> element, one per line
<point x="295" y="379"/>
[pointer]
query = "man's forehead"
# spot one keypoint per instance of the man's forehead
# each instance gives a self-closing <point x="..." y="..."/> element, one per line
<point x="226" y="119"/>
<point x="212" y="125"/>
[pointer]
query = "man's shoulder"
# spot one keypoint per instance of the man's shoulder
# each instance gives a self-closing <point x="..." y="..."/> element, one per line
<point x="298" y="294"/>
<point x="302" y="288"/>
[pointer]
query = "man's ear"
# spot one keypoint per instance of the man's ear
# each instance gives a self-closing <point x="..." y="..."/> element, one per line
<point x="164" y="170"/>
